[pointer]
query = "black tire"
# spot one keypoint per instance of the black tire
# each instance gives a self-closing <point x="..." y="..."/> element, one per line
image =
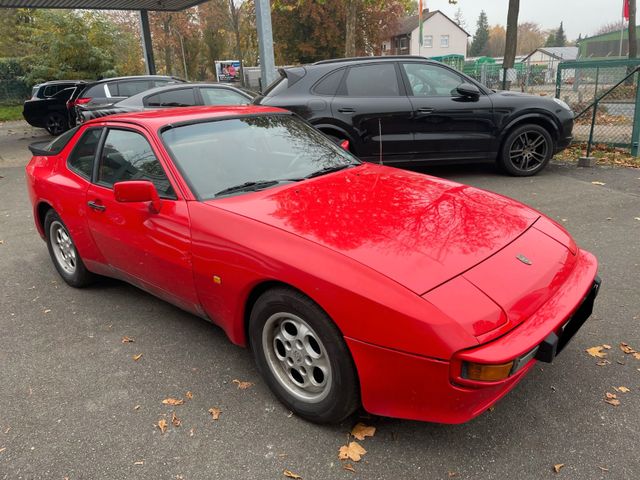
<point x="526" y="151"/>
<point x="56" y="123"/>
<point x="340" y="395"/>
<point x="78" y="276"/>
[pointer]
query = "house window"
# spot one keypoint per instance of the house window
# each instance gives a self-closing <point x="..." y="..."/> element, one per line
<point x="428" y="41"/>
<point x="403" y="43"/>
<point x="444" y="41"/>
<point x="385" y="47"/>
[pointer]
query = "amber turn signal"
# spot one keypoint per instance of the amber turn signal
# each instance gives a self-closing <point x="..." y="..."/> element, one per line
<point x="487" y="373"/>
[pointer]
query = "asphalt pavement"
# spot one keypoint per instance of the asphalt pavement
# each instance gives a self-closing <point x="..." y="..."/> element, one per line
<point x="75" y="404"/>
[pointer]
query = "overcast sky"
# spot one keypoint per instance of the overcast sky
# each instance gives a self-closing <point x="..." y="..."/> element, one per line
<point x="579" y="16"/>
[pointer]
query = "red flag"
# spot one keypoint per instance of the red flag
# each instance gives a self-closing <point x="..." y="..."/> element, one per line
<point x="625" y="10"/>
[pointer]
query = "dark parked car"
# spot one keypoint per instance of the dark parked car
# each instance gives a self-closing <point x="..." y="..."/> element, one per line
<point x="179" y="95"/>
<point x="51" y="112"/>
<point x="407" y="109"/>
<point x="111" y="90"/>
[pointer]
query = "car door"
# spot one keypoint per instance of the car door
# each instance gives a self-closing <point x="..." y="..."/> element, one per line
<point x="446" y="124"/>
<point x="371" y="102"/>
<point x="151" y="250"/>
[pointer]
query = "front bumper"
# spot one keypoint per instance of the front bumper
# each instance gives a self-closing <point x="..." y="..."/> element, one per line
<point x="403" y="385"/>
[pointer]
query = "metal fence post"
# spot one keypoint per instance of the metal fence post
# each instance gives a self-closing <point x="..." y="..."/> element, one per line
<point x="636" y="120"/>
<point x="559" y="80"/>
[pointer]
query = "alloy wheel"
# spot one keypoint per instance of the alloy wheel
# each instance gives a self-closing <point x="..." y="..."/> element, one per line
<point x="63" y="248"/>
<point x="528" y="151"/>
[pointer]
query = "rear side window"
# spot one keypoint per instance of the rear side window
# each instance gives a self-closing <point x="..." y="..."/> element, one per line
<point x="126" y="156"/>
<point x="378" y="80"/>
<point x="183" y="97"/>
<point x="133" y="87"/>
<point x="95" y="91"/>
<point x="329" y="84"/>
<point x="222" y="96"/>
<point x="83" y="155"/>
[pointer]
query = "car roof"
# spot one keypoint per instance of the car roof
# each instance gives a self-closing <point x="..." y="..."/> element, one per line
<point x="57" y="82"/>
<point x="155" y="119"/>
<point x="135" y="77"/>
<point x="137" y="98"/>
<point x="370" y="59"/>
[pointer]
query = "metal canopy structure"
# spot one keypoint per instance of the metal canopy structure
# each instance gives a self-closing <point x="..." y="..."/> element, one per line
<point x="263" y="17"/>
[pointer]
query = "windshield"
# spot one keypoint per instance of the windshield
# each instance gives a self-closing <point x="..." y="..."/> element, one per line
<point x="251" y="153"/>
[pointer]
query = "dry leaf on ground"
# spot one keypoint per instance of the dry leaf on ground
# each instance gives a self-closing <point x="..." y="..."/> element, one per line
<point x="126" y="339"/>
<point x="360" y="431"/>
<point x="189" y="395"/>
<point x="596" y="351"/>
<point x="622" y="389"/>
<point x="290" y="474"/>
<point x="598" y="183"/>
<point x="139" y="462"/>
<point x="353" y="451"/>
<point x="557" y="467"/>
<point x="626" y="348"/>
<point x="137" y="357"/>
<point x="602" y="363"/>
<point x="215" y="413"/>
<point x="611" y="399"/>
<point x="162" y="425"/>
<point x="3" y="449"/>
<point x="175" y="420"/>
<point x="608" y="347"/>
<point x="242" y="385"/>
<point x="137" y="407"/>
<point x="349" y="468"/>
<point x="636" y="355"/>
<point x="173" y="401"/>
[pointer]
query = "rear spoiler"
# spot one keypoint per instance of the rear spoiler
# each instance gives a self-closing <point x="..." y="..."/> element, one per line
<point x="293" y="75"/>
<point x="39" y="149"/>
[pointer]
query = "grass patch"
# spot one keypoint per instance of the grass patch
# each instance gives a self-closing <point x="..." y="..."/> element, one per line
<point x="605" y="155"/>
<point x="10" y="113"/>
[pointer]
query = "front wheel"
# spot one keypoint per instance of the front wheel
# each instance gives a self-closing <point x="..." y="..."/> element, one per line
<point x="302" y="356"/>
<point x="526" y="151"/>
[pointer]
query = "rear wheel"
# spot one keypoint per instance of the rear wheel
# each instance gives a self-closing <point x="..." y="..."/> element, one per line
<point x="63" y="252"/>
<point x="526" y="151"/>
<point x="303" y="357"/>
<point x="56" y="123"/>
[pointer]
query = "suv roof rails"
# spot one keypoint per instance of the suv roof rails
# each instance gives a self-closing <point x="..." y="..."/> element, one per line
<point x="355" y="59"/>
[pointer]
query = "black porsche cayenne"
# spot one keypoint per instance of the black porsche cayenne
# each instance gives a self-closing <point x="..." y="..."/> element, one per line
<point x="410" y="110"/>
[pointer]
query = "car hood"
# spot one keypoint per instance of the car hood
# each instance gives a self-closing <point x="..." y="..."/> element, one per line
<point x="418" y="230"/>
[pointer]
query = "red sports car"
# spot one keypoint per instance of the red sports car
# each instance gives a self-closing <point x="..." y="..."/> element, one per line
<point x="352" y="283"/>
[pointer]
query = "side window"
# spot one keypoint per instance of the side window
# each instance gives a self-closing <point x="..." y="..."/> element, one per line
<point x="126" y="156"/>
<point x="112" y="88"/>
<point x="132" y="87"/>
<point x="97" y="91"/>
<point x="222" y="96"/>
<point x="378" y="80"/>
<point x="84" y="153"/>
<point x="329" y="84"/>
<point x="183" y="97"/>
<point x="431" y="80"/>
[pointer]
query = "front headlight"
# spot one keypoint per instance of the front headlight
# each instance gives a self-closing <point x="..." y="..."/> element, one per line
<point x="562" y="104"/>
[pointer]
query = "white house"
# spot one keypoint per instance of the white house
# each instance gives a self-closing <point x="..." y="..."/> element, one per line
<point x="441" y="36"/>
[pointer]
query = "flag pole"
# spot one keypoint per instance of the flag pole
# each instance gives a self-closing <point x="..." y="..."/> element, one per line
<point x="624" y="11"/>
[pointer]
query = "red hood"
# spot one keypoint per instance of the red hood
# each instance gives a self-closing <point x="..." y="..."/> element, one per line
<point x="418" y="230"/>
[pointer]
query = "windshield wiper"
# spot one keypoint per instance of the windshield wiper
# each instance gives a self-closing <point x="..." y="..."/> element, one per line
<point x="325" y="170"/>
<point x="248" y="187"/>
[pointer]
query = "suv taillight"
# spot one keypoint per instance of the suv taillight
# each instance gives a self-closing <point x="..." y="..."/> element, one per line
<point x="78" y="101"/>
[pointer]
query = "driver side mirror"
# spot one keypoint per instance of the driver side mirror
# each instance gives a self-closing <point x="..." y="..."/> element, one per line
<point x="137" y="191"/>
<point x="468" y="90"/>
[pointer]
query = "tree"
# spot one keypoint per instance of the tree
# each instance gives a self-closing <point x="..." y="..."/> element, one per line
<point x="633" y="42"/>
<point x="610" y="27"/>
<point x="551" y="39"/>
<point x="530" y="37"/>
<point x="561" y="38"/>
<point x="350" y="36"/>
<point x="480" y="39"/>
<point x="511" y="41"/>
<point x="459" y="19"/>
<point x="496" y="43"/>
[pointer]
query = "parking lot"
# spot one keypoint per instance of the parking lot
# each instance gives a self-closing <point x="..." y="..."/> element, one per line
<point x="75" y="404"/>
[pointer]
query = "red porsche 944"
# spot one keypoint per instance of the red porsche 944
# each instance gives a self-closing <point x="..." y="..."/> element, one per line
<point x="352" y="283"/>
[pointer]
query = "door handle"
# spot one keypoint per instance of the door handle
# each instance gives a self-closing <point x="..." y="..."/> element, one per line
<point x="425" y="110"/>
<point x="96" y="206"/>
<point x="346" y="110"/>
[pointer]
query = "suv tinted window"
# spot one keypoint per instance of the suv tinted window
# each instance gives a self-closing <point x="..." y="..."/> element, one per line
<point x="431" y="80"/>
<point x="95" y="91"/>
<point x="378" y="80"/>
<point x="127" y="155"/>
<point x="329" y="84"/>
<point x="132" y="87"/>
<point x="84" y="153"/>
<point x="222" y="96"/>
<point x="183" y="97"/>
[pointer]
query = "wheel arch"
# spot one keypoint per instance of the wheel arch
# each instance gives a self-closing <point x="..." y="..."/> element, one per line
<point x="41" y="212"/>
<point x="538" y="119"/>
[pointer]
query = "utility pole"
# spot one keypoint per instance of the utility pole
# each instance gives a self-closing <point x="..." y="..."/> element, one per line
<point x="511" y="41"/>
<point x="633" y="41"/>
<point x="265" y="43"/>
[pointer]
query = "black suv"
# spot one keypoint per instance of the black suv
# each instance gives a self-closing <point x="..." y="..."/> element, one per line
<point x="49" y="106"/>
<point x="408" y="109"/>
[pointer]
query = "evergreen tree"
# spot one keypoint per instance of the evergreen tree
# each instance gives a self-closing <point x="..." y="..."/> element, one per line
<point x="551" y="40"/>
<point x="561" y="38"/>
<point x="480" y="39"/>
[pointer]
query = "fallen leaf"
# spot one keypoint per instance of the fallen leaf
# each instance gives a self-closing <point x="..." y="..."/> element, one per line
<point x="596" y="351"/>
<point x="622" y="389"/>
<point x="137" y="407"/>
<point x="636" y="355"/>
<point x="3" y="449"/>
<point x="613" y="401"/>
<point x="7" y="430"/>
<point x="162" y="425"/>
<point x="557" y="467"/>
<point x="453" y="474"/>
<point x="602" y="363"/>
<point x="242" y="385"/>
<point x="290" y="474"/>
<point x="349" y="468"/>
<point x="353" y="451"/>
<point x="626" y="348"/>
<point x="215" y="413"/>
<point x="604" y="469"/>
<point x="126" y="339"/>
<point x="173" y="401"/>
<point x="598" y="183"/>
<point x="608" y="347"/>
<point x="139" y="462"/>
<point x="191" y="432"/>
<point x="360" y="431"/>
<point x="189" y="395"/>
<point x="610" y="395"/>
<point x="137" y="357"/>
<point x="47" y="310"/>
<point x="175" y="420"/>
